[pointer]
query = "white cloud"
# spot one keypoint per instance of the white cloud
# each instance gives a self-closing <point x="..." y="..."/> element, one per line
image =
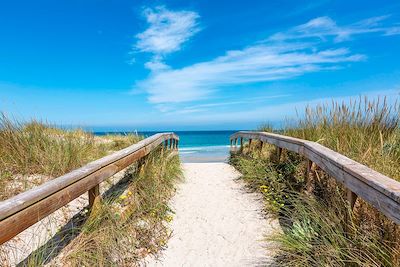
<point x="282" y="56"/>
<point x="217" y="105"/>
<point x="258" y="63"/>
<point x="323" y="27"/>
<point x="167" y="30"/>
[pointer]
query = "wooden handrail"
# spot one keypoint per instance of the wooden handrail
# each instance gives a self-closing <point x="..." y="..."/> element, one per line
<point x="377" y="189"/>
<point x="23" y="210"/>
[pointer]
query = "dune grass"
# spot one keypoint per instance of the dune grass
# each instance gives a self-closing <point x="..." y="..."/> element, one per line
<point x="123" y="229"/>
<point x="34" y="152"/>
<point x="315" y="232"/>
<point x="128" y="224"/>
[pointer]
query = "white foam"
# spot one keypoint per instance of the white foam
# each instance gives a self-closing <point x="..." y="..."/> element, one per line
<point x="202" y="148"/>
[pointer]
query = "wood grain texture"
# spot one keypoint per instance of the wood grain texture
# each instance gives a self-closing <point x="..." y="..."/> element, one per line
<point x="27" y="208"/>
<point x="377" y="189"/>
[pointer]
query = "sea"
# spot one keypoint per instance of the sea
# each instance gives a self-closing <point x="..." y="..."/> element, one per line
<point x="199" y="146"/>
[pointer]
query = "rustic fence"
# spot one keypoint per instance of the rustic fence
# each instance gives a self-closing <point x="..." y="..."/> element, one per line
<point x="27" y="208"/>
<point x="377" y="189"/>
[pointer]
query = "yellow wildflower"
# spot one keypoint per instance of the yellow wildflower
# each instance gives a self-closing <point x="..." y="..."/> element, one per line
<point x="169" y="218"/>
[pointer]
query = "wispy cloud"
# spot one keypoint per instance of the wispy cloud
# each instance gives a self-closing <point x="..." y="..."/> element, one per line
<point x="281" y="56"/>
<point x="218" y="105"/>
<point x="257" y="63"/>
<point x="166" y="33"/>
<point x="324" y="27"/>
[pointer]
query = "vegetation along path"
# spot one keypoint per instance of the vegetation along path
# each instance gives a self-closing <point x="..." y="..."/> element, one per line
<point x="217" y="223"/>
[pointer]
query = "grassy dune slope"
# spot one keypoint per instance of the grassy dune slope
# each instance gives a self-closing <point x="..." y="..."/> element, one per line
<point x="128" y="224"/>
<point x="313" y="218"/>
<point x="32" y="153"/>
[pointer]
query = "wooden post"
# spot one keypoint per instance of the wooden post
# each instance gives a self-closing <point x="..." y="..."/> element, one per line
<point x="234" y="148"/>
<point x="279" y="153"/>
<point x="166" y="144"/>
<point x="231" y="142"/>
<point x="170" y="143"/>
<point x="249" y="144"/>
<point x="94" y="193"/>
<point x="261" y="145"/>
<point x="351" y="198"/>
<point x="308" y="176"/>
<point x="241" y="143"/>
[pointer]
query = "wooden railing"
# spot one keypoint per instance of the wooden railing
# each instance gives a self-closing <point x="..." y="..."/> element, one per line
<point x="27" y="208"/>
<point x="377" y="189"/>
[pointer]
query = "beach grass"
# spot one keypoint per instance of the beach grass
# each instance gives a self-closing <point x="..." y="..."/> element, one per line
<point x="129" y="223"/>
<point x="125" y="228"/>
<point x="315" y="232"/>
<point x="34" y="152"/>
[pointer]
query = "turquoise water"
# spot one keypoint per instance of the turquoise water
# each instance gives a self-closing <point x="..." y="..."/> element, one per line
<point x="204" y="146"/>
<point x="200" y="146"/>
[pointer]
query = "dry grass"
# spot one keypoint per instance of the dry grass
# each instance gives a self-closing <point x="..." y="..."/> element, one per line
<point x="127" y="225"/>
<point x="315" y="232"/>
<point x="122" y="230"/>
<point x="32" y="153"/>
<point x="364" y="130"/>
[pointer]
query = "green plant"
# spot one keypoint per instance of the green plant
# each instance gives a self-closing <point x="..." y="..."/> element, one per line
<point x="315" y="232"/>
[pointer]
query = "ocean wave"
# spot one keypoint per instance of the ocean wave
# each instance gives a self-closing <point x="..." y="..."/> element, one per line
<point x="188" y="152"/>
<point x="198" y="148"/>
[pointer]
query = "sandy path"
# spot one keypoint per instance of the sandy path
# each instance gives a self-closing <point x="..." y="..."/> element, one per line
<point x="216" y="222"/>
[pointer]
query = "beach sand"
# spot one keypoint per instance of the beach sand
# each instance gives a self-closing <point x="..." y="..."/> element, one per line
<point x="217" y="223"/>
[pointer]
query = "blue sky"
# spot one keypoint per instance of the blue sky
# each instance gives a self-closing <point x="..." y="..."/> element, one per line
<point x="173" y="65"/>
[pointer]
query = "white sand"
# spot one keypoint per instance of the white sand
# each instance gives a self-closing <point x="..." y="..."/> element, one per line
<point x="217" y="223"/>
